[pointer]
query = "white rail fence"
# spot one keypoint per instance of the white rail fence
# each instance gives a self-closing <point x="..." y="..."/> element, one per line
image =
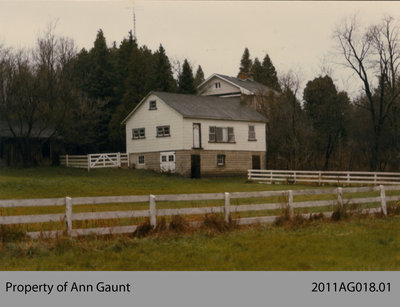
<point x="152" y="213"/>
<point x="320" y="177"/>
<point x="100" y="160"/>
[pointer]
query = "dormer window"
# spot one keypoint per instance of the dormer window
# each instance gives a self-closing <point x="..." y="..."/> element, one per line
<point x="217" y="85"/>
<point x="153" y="105"/>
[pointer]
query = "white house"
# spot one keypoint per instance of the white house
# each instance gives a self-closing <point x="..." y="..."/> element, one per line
<point x="226" y="86"/>
<point x="195" y="135"/>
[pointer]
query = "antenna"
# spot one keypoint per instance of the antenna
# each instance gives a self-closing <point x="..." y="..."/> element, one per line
<point x="133" y="18"/>
<point x="134" y="24"/>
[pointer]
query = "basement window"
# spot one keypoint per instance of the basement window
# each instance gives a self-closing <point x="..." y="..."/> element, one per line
<point x="140" y="160"/>
<point x="138" y="133"/>
<point x="221" y="160"/>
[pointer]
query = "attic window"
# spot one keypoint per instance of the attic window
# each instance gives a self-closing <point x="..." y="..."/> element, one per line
<point x="217" y="85"/>
<point x="153" y="105"/>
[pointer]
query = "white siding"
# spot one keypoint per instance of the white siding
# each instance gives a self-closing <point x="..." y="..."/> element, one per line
<point x="241" y="130"/>
<point x="150" y="119"/>
<point x="209" y="88"/>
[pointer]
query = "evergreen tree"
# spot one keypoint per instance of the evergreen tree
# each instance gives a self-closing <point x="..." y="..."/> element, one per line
<point x="257" y="70"/>
<point x="245" y="62"/>
<point x="162" y="78"/>
<point x="269" y="76"/>
<point x="199" y="78"/>
<point x="100" y="74"/>
<point x="186" y="80"/>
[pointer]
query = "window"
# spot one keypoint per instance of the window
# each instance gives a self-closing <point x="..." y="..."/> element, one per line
<point x="163" y="131"/>
<point x="163" y="158"/>
<point x="138" y="133"/>
<point x="221" y="160"/>
<point x="252" y="133"/>
<point x="171" y="158"/>
<point x="217" y="85"/>
<point x="221" y="135"/>
<point x="140" y="160"/>
<point x="153" y="105"/>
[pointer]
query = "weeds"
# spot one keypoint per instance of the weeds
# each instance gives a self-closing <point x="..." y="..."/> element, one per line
<point x="12" y="233"/>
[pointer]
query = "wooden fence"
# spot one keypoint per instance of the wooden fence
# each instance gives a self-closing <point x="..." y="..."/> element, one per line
<point x="320" y="177"/>
<point x="152" y="213"/>
<point x="90" y="161"/>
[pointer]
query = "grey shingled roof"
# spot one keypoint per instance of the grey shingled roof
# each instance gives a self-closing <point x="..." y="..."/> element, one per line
<point x="210" y="107"/>
<point x="248" y="84"/>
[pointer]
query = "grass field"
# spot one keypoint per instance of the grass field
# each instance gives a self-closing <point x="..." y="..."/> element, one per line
<point x="360" y="244"/>
<point x="357" y="244"/>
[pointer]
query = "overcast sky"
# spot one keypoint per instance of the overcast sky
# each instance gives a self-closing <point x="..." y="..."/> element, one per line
<point x="296" y="35"/>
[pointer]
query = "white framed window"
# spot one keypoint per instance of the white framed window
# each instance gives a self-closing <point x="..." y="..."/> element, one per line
<point x="221" y="135"/>
<point x="140" y="160"/>
<point x="217" y="85"/>
<point x="252" y="133"/>
<point x="221" y="160"/>
<point x="138" y="133"/>
<point x="153" y="105"/>
<point x="171" y="158"/>
<point x="163" y="131"/>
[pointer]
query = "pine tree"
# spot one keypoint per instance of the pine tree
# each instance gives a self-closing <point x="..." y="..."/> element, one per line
<point x="269" y="75"/>
<point x="257" y="70"/>
<point x="199" y="78"/>
<point x="101" y="71"/>
<point x="186" y="80"/>
<point x="245" y="62"/>
<point x="162" y="78"/>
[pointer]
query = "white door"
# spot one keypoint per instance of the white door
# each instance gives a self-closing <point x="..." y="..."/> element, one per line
<point x="196" y="136"/>
<point x="167" y="161"/>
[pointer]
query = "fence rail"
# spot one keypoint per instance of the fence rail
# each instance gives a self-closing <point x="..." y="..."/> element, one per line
<point x="152" y="213"/>
<point x="101" y="160"/>
<point x="320" y="177"/>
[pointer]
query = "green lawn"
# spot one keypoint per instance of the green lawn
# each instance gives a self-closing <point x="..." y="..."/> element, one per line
<point x="359" y="244"/>
<point x="46" y="182"/>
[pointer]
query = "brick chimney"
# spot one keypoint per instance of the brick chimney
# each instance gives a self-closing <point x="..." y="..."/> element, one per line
<point x="242" y="76"/>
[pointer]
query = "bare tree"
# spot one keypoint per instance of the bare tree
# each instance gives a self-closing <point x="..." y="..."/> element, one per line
<point x="374" y="56"/>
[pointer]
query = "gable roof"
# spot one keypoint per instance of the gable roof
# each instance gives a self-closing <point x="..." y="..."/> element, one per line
<point x="250" y="85"/>
<point x="207" y="107"/>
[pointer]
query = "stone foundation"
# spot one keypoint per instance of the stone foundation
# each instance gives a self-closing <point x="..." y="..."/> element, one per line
<point x="236" y="162"/>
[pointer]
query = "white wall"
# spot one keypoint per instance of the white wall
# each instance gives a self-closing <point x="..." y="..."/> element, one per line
<point x="241" y="129"/>
<point x="209" y="87"/>
<point x="150" y="119"/>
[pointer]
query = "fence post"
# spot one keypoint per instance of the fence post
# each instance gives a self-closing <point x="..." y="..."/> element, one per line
<point x="66" y="160"/>
<point x="348" y="179"/>
<point x="68" y="214"/>
<point x="340" y="197"/>
<point x="89" y="161"/>
<point x="153" y="211"/>
<point x="294" y="177"/>
<point x="119" y="159"/>
<point x="227" y="206"/>
<point x="319" y="178"/>
<point x="375" y="179"/>
<point x="383" y="199"/>
<point x="290" y="204"/>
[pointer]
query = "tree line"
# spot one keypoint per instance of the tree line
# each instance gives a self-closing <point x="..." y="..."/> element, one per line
<point x="80" y="98"/>
<point x="322" y="128"/>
